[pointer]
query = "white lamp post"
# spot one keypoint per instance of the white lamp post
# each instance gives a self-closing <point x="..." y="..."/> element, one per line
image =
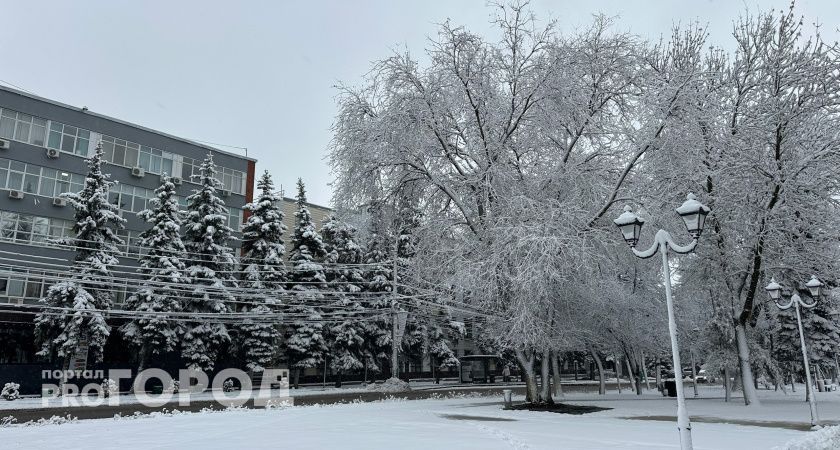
<point x="814" y="287"/>
<point x="693" y="214"/>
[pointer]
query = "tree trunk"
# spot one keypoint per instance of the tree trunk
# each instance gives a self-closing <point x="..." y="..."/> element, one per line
<point x="750" y="393"/>
<point x="727" y="387"/>
<point x="527" y="366"/>
<point x="644" y="371"/>
<point x="694" y="375"/>
<point x="659" y="373"/>
<point x="297" y="377"/>
<point x="617" y="366"/>
<point x="602" y="382"/>
<point x="555" y="368"/>
<point x="633" y="385"/>
<point x="545" y="374"/>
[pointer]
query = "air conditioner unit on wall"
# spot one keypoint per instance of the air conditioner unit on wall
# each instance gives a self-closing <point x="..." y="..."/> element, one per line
<point x="59" y="201"/>
<point x="4" y="144"/>
<point x="224" y="193"/>
<point x="53" y="153"/>
<point x="14" y="193"/>
<point x="177" y="181"/>
<point x="138" y="172"/>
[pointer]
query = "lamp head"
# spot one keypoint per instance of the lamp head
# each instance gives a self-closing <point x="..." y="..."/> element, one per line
<point x="774" y="289"/>
<point x="693" y="213"/>
<point x="814" y="286"/>
<point x="630" y="225"/>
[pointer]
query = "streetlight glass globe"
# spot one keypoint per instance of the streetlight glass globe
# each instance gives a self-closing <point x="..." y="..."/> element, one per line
<point x="814" y="286"/>
<point x="693" y="213"/>
<point x="774" y="289"/>
<point x="630" y="226"/>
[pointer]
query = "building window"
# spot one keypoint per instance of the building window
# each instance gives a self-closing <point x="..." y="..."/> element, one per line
<point x="69" y="139"/>
<point x="232" y="180"/>
<point x="22" y="127"/>
<point x="56" y="135"/>
<point x="38" y="180"/>
<point x="128" y="154"/>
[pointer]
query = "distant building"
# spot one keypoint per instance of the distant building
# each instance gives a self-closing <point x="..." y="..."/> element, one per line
<point x="43" y="145"/>
<point x="289" y="207"/>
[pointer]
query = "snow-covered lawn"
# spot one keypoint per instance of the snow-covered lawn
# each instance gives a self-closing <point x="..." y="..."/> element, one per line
<point x="472" y="422"/>
<point x="305" y="391"/>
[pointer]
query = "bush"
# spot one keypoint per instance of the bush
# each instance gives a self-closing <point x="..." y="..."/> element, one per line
<point x="11" y="391"/>
<point x="390" y="385"/>
<point x="227" y="386"/>
<point x="827" y="438"/>
<point x="109" y="387"/>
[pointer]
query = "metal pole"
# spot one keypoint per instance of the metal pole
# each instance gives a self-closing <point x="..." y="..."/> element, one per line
<point x="683" y="422"/>
<point x="812" y="401"/>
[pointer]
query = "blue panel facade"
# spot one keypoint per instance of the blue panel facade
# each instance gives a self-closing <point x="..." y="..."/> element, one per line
<point x="31" y="125"/>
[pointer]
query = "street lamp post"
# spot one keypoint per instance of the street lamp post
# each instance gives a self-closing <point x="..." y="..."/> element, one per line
<point x="814" y="286"/>
<point x="693" y="214"/>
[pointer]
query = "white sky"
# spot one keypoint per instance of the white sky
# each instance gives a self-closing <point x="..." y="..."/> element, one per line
<point x="260" y="74"/>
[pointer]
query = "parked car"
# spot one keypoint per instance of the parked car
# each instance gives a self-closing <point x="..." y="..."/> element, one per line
<point x="703" y="377"/>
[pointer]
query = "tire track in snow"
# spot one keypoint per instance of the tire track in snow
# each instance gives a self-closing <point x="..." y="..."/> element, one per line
<point x="503" y="435"/>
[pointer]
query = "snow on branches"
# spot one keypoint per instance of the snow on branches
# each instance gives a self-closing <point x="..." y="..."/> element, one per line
<point x="74" y="308"/>
<point x="211" y="270"/>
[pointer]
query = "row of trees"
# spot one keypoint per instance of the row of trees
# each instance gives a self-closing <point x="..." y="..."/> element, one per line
<point x="196" y="299"/>
<point x="519" y="152"/>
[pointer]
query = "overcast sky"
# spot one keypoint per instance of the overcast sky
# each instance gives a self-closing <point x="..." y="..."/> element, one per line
<point x="261" y="75"/>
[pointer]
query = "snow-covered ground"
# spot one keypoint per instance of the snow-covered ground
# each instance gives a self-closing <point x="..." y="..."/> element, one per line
<point x="472" y="422"/>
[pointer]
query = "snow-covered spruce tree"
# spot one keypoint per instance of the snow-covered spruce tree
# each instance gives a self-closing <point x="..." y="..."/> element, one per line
<point x="305" y="341"/>
<point x="345" y="280"/>
<point x="211" y="268"/>
<point x="85" y="295"/>
<point x="822" y="332"/>
<point x="163" y="273"/>
<point x="264" y="274"/>
<point x="377" y="271"/>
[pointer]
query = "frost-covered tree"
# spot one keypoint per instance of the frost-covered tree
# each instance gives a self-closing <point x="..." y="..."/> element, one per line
<point x="514" y="175"/>
<point x="211" y="270"/>
<point x="163" y="273"/>
<point x="345" y="283"/>
<point x="264" y="274"/>
<point x="305" y="340"/>
<point x="760" y="144"/>
<point x="523" y="149"/>
<point x="74" y="308"/>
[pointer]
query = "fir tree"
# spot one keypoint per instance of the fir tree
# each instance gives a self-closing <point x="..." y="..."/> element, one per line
<point x="305" y="340"/>
<point x="377" y="275"/>
<point x="264" y="274"/>
<point x="344" y="279"/>
<point x="821" y="331"/>
<point x="84" y="296"/>
<point x="206" y="236"/>
<point x="163" y="274"/>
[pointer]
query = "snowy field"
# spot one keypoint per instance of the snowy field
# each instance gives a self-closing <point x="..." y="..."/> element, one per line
<point x="471" y="422"/>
